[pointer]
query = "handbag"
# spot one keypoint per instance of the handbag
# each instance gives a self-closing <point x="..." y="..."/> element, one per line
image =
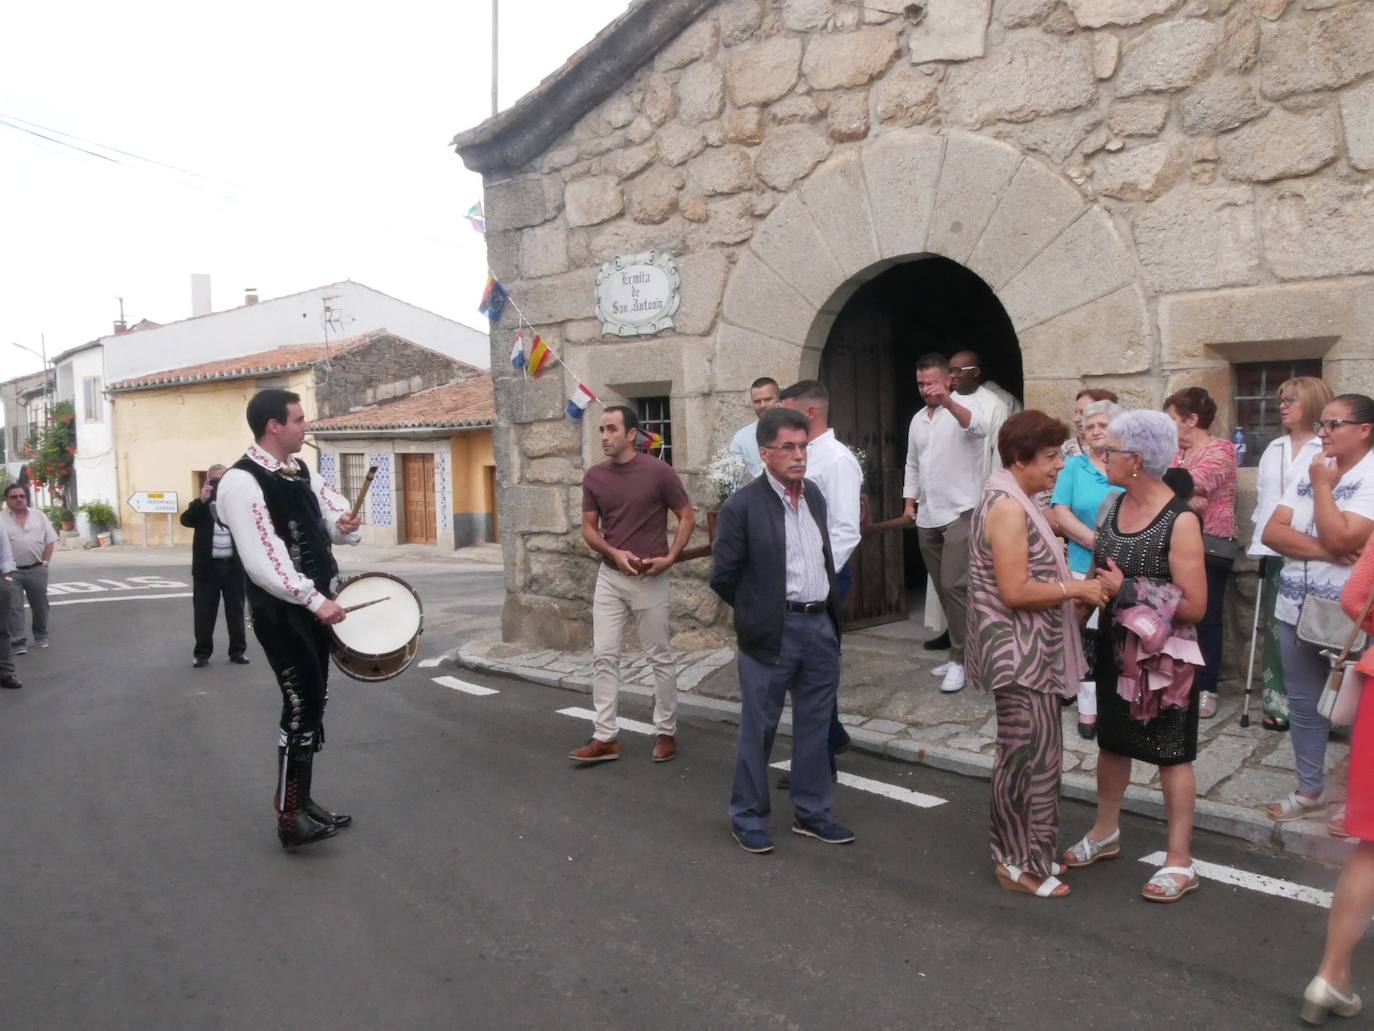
<point x="1324" y="623"/>
<point x="1220" y="551"/>
<point x="1340" y="700"/>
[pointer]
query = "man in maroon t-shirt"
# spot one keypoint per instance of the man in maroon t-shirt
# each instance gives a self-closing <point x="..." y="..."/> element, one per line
<point x="625" y="505"/>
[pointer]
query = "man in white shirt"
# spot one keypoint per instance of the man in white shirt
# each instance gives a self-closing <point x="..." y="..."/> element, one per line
<point x="763" y="395"/>
<point x="32" y="540"/>
<point x="945" y="461"/>
<point x="998" y="403"/>
<point x="833" y="468"/>
<point x="8" y="679"/>
<point x="283" y="520"/>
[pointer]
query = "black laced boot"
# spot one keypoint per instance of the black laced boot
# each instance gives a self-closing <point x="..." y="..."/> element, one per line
<point x="295" y="826"/>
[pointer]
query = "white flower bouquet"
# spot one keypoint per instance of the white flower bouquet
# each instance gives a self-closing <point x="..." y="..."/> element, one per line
<point x="726" y="473"/>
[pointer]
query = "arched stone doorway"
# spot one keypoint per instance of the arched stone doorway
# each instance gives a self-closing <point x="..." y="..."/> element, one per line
<point x="868" y="363"/>
<point x="1054" y="261"/>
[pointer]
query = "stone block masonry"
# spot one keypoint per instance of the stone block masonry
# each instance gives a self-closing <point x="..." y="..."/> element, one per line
<point x="1133" y="178"/>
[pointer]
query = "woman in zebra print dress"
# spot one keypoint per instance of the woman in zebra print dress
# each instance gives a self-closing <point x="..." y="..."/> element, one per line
<point x="1023" y="644"/>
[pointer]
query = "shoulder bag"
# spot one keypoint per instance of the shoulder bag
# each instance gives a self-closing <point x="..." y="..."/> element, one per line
<point x="1324" y="623"/>
<point x="1340" y="700"/>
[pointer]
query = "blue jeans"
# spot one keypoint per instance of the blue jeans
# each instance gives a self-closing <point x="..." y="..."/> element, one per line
<point x="1304" y="672"/>
<point x="809" y="670"/>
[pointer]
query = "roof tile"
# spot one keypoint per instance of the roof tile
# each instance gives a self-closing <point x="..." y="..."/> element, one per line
<point x="466" y="404"/>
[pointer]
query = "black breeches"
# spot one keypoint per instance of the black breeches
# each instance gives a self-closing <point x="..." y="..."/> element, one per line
<point x="297" y="648"/>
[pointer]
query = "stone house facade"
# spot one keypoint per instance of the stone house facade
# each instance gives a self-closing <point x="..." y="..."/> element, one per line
<point x="1149" y="194"/>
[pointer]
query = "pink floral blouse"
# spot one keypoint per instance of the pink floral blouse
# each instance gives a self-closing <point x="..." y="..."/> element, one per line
<point x="1213" y="468"/>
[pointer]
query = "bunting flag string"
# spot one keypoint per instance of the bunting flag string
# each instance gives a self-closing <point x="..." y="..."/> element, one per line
<point x="476" y="217"/>
<point x="532" y="354"/>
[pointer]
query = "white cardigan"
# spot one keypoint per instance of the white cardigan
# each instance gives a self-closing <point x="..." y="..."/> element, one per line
<point x="1278" y="468"/>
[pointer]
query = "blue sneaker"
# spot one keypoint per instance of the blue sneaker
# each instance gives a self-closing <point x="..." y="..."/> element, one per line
<point x="757" y="842"/>
<point x="830" y="832"/>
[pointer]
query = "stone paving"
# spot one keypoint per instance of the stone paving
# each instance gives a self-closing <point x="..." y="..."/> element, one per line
<point x="892" y="706"/>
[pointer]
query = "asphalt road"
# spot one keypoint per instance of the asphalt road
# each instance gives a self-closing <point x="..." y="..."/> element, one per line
<point x="488" y="884"/>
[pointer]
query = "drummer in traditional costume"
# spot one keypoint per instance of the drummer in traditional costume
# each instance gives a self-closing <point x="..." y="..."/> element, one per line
<point x="284" y="521"/>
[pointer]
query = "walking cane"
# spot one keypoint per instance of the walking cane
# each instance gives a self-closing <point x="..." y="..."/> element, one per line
<point x="1254" y="634"/>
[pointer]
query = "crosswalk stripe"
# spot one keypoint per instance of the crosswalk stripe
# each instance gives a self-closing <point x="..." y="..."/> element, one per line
<point x="464" y="686"/>
<point x="430" y="663"/>
<point x="1253" y="881"/>
<point x="632" y="725"/>
<point x="878" y="787"/>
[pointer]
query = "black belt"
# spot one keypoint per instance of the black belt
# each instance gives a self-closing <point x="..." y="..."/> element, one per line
<point x="806" y="608"/>
<point x="34" y="565"/>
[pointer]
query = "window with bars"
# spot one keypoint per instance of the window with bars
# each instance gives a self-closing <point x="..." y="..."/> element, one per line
<point x="1257" y="401"/>
<point x="656" y="416"/>
<point x="352" y="472"/>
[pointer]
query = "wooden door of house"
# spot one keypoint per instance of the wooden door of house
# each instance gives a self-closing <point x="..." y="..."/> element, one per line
<point x="417" y="485"/>
<point x="858" y="367"/>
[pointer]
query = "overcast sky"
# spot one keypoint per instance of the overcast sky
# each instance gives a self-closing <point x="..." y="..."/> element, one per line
<point x="309" y="144"/>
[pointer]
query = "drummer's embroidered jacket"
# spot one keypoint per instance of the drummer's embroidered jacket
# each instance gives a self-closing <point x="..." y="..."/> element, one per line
<point x="266" y="559"/>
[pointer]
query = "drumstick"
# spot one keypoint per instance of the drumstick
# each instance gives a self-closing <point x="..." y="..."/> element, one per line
<point x="363" y="604"/>
<point x="362" y="494"/>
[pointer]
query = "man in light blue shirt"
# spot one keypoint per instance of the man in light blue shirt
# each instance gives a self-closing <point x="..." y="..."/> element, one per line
<point x="764" y="394"/>
<point x="7" y="570"/>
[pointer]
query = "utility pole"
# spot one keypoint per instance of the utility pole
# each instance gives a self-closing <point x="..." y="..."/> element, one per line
<point x="495" y="53"/>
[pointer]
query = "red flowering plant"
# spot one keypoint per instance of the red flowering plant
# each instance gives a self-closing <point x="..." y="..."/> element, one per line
<point x="49" y="454"/>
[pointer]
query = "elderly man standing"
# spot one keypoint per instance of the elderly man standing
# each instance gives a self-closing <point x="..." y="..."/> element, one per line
<point x="771" y="561"/>
<point x="215" y="571"/>
<point x="32" y="540"/>
<point x="763" y="395"/>
<point x="625" y="504"/>
<point x="8" y="679"/>
<point x="945" y="462"/>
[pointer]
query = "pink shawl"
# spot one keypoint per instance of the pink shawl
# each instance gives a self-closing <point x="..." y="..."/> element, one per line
<point x="1075" y="665"/>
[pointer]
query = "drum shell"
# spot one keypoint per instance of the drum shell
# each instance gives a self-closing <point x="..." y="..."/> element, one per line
<point x="374" y="667"/>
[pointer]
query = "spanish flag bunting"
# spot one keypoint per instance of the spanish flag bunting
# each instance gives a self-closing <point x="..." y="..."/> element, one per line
<point x="649" y="440"/>
<point x="540" y="354"/>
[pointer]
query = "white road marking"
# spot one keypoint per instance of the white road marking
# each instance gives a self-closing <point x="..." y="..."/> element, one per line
<point x="430" y="663"/>
<point x="632" y="725"/>
<point x="464" y="686"/>
<point x="118" y="597"/>
<point x="878" y="787"/>
<point x="1253" y="881"/>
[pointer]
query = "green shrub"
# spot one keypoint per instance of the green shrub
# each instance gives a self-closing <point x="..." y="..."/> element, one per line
<point x="101" y="515"/>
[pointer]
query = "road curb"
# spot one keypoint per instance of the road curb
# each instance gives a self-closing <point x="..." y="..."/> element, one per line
<point x="1307" y="838"/>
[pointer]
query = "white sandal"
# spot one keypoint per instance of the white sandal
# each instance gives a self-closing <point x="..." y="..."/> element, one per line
<point x="1170" y="889"/>
<point x="1296" y="807"/>
<point x="1088" y="851"/>
<point x="1009" y="877"/>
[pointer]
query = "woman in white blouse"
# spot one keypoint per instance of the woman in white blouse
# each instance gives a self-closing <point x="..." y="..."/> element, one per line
<point x="1287" y="457"/>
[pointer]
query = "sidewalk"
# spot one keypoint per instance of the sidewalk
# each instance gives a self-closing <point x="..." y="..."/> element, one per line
<point x="416" y="557"/>
<point x="893" y="707"/>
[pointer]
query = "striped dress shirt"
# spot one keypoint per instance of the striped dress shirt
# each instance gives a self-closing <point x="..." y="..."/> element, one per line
<point x="806" y="577"/>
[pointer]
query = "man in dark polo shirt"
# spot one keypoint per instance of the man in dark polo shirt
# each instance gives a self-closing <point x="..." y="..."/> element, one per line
<point x="625" y="504"/>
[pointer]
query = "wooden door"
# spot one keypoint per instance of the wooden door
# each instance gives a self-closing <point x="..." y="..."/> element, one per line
<point x="422" y="524"/>
<point x="858" y="367"/>
<point x="490" y="498"/>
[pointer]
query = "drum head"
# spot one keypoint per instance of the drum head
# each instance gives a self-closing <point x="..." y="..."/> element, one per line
<point x="388" y="626"/>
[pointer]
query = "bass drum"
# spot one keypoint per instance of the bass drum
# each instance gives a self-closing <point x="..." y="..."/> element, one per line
<point x="381" y="639"/>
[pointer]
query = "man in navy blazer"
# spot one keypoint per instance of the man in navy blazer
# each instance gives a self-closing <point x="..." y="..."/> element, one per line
<point x="771" y="561"/>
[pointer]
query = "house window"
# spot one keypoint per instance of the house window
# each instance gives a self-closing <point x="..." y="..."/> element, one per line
<point x="91" y="400"/>
<point x="655" y="416"/>
<point x="1257" y="402"/>
<point x="352" y="472"/>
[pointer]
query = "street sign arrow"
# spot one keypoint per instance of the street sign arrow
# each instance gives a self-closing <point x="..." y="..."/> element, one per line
<point x="153" y="502"/>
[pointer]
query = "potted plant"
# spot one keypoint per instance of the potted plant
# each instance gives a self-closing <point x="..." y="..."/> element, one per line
<point x="60" y="515"/>
<point x="103" y="519"/>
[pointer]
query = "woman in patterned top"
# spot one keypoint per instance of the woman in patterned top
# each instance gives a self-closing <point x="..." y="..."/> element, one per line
<point x="1211" y="461"/>
<point x="1023" y="645"/>
<point x="1323" y="521"/>
<point x="1147" y="539"/>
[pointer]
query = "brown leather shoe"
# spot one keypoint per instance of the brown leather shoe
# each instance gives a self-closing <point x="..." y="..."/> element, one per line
<point x="665" y="748"/>
<point x="595" y="751"/>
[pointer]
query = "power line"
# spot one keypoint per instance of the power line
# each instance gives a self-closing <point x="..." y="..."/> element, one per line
<point x="35" y="129"/>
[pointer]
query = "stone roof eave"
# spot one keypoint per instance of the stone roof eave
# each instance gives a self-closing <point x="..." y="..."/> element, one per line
<point x="512" y="138"/>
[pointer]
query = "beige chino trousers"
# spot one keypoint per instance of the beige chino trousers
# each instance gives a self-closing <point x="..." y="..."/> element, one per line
<point x="618" y="597"/>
